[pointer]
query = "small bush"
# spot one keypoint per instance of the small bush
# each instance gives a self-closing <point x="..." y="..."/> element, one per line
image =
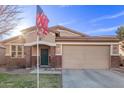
<point x="121" y="65"/>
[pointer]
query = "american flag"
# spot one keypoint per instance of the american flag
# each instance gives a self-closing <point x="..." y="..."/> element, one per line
<point x="41" y="22"/>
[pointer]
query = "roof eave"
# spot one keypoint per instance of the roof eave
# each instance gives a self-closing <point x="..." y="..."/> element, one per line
<point x="88" y="39"/>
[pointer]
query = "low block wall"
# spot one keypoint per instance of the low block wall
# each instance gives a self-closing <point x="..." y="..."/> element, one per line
<point x="2" y="56"/>
<point x="115" y="61"/>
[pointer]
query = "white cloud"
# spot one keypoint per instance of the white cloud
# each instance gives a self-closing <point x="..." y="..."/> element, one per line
<point x="110" y="29"/>
<point x="108" y="17"/>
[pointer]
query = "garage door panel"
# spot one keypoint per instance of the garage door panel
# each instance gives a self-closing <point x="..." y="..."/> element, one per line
<point x="96" y="57"/>
<point x="89" y="57"/>
<point x="71" y="60"/>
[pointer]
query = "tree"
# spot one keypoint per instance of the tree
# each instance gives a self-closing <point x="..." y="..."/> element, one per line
<point x="120" y="33"/>
<point x="9" y="18"/>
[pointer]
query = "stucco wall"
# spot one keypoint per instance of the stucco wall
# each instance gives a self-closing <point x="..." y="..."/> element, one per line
<point x="31" y="37"/>
<point x="7" y="44"/>
<point x="67" y="33"/>
<point x="7" y="50"/>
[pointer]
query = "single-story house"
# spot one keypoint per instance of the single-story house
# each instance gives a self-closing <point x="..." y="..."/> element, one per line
<point x="62" y="48"/>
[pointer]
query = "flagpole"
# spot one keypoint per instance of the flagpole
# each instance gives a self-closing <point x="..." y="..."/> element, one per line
<point x="40" y="17"/>
<point x="38" y="60"/>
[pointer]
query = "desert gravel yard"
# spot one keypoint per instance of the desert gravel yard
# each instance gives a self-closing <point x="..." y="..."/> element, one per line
<point x="92" y="79"/>
<point x="29" y="81"/>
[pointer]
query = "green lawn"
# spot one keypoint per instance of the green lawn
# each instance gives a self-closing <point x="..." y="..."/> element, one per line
<point x="29" y="81"/>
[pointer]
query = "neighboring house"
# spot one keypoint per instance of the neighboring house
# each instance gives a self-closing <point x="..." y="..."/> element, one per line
<point x="62" y="48"/>
<point x="121" y="51"/>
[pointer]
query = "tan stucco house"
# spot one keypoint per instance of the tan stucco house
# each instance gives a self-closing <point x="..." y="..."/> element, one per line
<point x="62" y="48"/>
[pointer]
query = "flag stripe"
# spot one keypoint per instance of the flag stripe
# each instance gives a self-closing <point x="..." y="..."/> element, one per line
<point x="41" y="22"/>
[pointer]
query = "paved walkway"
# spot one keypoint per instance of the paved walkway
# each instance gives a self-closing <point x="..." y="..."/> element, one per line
<point x="47" y="71"/>
<point x="92" y="79"/>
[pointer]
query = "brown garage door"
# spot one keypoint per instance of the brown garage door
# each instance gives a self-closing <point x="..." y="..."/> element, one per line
<point x="85" y="57"/>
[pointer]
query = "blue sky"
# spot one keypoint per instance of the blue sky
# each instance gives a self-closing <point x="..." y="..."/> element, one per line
<point x="92" y="20"/>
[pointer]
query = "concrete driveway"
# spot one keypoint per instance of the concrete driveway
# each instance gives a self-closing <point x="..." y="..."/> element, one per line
<point x="92" y="79"/>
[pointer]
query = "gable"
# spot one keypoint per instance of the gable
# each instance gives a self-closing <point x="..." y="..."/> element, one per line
<point x="66" y="32"/>
<point x="63" y="31"/>
<point x="32" y="37"/>
<point x="16" y="39"/>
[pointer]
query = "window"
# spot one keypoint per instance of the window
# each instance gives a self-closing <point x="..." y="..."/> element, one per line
<point x="115" y="49"/>
<point x="57" y="34"/>
<point x="17" y="51"/>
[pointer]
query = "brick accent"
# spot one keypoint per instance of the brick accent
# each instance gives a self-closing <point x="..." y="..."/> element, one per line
<point x="15" y="62"/>
<point x="52" y="51"/>
<point x="27" y="52"/>
<point x="20" y="62"/>
<point x="115" y="61"/>
<point x="33" y="61"/>
<point x="55" y="61"/>
<point x="122" y="60"/>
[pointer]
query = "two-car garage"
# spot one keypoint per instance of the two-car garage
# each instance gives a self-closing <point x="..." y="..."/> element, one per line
<point x="85" y="56"/>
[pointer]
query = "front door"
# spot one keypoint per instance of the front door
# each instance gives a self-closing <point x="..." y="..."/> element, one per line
<point x="44" y="56"/>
